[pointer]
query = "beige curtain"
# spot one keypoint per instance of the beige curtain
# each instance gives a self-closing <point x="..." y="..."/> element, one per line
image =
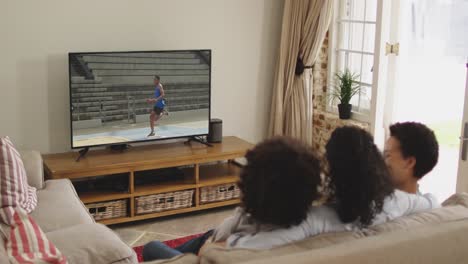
<point x="305" y="24"/>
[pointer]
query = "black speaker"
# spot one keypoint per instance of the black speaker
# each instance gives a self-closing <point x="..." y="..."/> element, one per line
<point x="215" y="133"/>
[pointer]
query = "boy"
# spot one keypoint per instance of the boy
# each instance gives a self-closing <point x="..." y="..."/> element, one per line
<point x="159" y="103"/>
<point x="410" y="153"/>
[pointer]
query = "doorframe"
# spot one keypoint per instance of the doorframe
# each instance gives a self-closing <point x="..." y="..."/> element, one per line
<point x="462" y="179"/>
<point x="380" y="76"/>
<point x="392" y="65"/>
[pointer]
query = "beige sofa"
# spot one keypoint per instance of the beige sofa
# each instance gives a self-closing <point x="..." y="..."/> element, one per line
<point x="444" y="244"/>
<point x="436" y="236"/>
<point x="67" y="223"/>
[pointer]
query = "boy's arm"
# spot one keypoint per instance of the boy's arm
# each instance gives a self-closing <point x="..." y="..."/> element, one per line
<point x="407" y="203"/>
<point x="228" y="226"/>
<point x="418" y="203"/>
<point x="223" y="231"/>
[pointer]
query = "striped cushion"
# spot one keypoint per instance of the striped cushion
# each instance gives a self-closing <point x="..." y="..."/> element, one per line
<point x="14" y="188"/>
<point x="27" y="244"/>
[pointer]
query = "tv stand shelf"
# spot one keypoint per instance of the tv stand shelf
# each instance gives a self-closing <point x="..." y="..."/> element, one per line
<point x="202" y="166"/>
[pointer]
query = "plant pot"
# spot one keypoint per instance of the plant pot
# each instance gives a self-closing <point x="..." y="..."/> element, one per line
<point x="344" y="111"/>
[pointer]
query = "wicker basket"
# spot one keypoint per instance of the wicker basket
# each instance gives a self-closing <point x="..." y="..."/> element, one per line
<point x="217" y="193"/>
<point x="107" y="210"/>
<point x="163" y="202"/>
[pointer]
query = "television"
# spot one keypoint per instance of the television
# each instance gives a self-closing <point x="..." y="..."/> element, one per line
<point x="118" y="98"/>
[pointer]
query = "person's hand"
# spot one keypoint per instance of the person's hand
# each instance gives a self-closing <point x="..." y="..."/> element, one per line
<point x="149" y="100"/>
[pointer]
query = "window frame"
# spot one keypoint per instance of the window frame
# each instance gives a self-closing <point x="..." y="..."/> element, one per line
<point x="333" y="42"/>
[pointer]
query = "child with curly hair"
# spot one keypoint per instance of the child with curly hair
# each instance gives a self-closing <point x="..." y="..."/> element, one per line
<point x="278" y="185"/>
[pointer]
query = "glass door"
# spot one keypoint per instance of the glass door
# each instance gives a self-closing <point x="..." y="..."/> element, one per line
<point x="426" y="80"/>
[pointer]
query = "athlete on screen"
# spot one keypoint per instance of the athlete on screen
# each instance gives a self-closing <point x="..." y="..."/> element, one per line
<point x="159" y="103"/>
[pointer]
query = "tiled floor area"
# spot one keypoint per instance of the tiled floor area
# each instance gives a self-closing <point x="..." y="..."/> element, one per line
<point x="167" y="228"/>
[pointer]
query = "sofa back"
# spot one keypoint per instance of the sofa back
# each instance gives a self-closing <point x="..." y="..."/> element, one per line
<point x="445" y="243"/>
<point x="214" y="254"/>
<point x="455" y="209"/>
<point x="32" y="161"/>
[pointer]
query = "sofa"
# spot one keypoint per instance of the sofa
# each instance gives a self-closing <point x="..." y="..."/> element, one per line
<point x="66" y="222"/>
<point x="436" y="236"/>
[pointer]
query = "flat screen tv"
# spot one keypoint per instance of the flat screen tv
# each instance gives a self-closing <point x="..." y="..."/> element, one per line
<point x="136" y="96"/>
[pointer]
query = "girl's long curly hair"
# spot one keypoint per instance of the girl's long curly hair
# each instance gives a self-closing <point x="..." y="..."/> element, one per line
<point x="359" y="180"/>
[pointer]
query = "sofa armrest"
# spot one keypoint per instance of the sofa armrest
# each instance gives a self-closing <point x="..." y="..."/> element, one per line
<point x="34" y="168"/>
<point x="92" y="244"/>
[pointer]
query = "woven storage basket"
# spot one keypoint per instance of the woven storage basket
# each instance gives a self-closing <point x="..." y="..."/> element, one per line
<point x="217" y="193"/>
<point x="163" y="202"/>
<point x="107" y="210"/>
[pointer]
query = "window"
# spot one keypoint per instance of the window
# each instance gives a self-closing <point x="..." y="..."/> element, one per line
<point x="352" y="46"/>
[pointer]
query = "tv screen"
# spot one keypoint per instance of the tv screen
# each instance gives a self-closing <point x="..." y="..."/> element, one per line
<point x="124" y="97"/>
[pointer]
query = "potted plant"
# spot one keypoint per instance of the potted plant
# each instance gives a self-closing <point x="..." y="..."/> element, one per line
<point x="346" y="86"/>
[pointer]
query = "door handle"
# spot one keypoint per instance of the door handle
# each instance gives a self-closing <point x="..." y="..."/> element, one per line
<point x="464" y="139"/>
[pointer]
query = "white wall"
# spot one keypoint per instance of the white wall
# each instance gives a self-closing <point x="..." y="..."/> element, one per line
<point x="35" y="37"/>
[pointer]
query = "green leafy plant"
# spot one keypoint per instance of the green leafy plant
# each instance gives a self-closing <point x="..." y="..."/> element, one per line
<point x="346" y="86"/>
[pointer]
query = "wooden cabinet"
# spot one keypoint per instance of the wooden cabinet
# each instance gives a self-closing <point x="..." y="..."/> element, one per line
<point x="200" y="166"/>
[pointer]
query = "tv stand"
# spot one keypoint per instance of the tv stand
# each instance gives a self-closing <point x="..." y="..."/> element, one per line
<point x="82" y="153"/>
<point x="199" y="140"/>
<point x="204" y="169"/>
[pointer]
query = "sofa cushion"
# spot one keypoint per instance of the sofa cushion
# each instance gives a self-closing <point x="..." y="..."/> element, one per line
<point x="215" y="254"/>
<point x="444" y="243"/>
<point x="59" y="206"/>
<point x="34" y="168"/>
<point x="91" y="243"/>
<point x="457" y="199"/>
<point x="14" y="188"/>
<point x="27" y="243"/>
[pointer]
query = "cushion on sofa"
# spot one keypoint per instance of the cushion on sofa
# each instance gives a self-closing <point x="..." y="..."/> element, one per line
<point x="457" y="199"/>
<point x="14" y="188"/>
<point x="92" y="243"/>
<point x="444" y="243"/>
<point x="27" y="243"/>
<point x="216" y="254"/>
<point x="34" y="168"/>
<point x="59" y="206"/>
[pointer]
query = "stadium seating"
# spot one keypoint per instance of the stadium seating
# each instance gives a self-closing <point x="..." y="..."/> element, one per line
<point x="114" y="87"/>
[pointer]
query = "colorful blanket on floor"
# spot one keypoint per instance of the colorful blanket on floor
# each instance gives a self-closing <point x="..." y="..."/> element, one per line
<point x="171" y="243"/>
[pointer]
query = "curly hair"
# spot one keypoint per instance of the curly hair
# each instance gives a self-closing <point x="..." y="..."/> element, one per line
<point x="359" y="180"/>
<point x="279" y="182"/>
<point x="418" y="141"/>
